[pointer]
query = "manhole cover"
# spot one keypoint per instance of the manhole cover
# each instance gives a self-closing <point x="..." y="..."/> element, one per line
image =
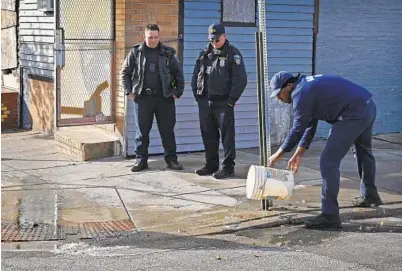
<point x="11" y="232"/>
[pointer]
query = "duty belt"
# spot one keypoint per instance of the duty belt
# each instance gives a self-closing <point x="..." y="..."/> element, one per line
<point x="149" y="91"/>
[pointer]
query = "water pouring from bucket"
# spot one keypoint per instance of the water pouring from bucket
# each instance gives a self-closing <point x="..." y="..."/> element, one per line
<point x="264" y="182"/>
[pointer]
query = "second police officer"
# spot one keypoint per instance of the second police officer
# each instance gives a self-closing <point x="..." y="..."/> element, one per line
<point x="218" y="81"/>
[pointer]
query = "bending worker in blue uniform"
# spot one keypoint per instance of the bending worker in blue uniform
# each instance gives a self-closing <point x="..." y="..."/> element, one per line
<point x="351" y="111"/>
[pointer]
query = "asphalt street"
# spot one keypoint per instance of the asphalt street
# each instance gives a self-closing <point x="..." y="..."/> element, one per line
<point x="283" y="248"/>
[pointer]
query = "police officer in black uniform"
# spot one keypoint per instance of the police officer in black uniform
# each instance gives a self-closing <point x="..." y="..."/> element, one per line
<point x="218" y="81"/>
<point x="152" y="76"/>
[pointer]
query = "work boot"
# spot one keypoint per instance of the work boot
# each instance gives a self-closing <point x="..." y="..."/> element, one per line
<point x="204" y="171"/>
<point x="367" y="201"/>
<point x="174" y="165"/>
<point x="324" y="222"/>
<point x="223" y="173"/>
<point x="138" y="166"/>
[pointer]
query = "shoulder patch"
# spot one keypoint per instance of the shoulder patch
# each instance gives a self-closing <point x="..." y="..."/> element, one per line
<point x="237" y="59"/>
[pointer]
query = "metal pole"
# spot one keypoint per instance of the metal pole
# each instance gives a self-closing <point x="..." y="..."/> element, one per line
<point x="55" y="68"/>
<point x="263" y="104"/>
<point x="261" y="101"/>
<point x="263" y="82"/>
<point x="263" y="30"/>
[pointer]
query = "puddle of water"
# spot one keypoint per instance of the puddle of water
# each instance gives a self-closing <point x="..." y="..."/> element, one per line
<point x="193" y="222"/>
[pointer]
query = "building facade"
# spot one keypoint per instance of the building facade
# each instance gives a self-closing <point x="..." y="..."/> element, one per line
<point x="71" y="53"/>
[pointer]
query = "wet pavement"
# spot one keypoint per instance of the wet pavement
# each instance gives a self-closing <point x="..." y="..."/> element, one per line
<point x="81" y="200"/>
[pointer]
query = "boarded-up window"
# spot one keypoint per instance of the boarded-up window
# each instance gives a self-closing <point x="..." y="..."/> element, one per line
<point x="8" y="5"/>
<point x="235" y="11"/>
<point x="9" y="48"/>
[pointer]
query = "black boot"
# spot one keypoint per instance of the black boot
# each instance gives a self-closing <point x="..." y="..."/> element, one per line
<point x="367" y="201"/>
<point x="174" y="165"/>
<point x="324" y="222"/>
<point x="224" y="173"/>
<point x="204" y="171"/>
<point x="138" y="166"/>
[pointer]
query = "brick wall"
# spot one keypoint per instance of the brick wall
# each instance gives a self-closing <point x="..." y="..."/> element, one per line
<point x="9" y="109"/>
<point x="131" y="18"/>
<point x="42" y="106"/>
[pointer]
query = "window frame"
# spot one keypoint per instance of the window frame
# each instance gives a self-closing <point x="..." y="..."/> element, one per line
<point x="47" y="6"/>
<point x="231" y="23"/>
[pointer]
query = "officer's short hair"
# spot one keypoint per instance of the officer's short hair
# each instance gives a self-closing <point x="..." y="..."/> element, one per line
<point x="152" y="27"/>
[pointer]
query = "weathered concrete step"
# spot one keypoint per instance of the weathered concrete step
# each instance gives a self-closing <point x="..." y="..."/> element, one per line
<point x="86" y="143"/>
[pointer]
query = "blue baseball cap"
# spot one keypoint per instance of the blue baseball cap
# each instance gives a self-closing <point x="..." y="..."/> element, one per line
<point x="215" y="31"/>
<point x="277" y="82"/>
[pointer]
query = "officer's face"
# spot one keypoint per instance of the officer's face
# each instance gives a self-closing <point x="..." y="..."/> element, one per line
<point x="152" y="38"/>
<point x="218" y="43"/>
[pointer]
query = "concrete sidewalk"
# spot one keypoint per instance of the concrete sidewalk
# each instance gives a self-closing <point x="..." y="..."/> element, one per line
<point x="42" y="189"/>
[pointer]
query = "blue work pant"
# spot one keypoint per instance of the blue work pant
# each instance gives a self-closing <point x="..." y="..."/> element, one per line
<point x="351" y="128"/>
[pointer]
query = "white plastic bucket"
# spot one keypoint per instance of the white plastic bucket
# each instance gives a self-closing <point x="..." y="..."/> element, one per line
<point x="263" y="182"/>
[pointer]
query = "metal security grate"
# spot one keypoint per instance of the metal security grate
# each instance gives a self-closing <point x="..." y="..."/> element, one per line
<point x="85" y="82"/>
<point x="87" y="19"/>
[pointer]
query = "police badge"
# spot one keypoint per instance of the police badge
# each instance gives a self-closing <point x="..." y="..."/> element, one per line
<point x="237" y="59"/>
<point x="222" y="63"/>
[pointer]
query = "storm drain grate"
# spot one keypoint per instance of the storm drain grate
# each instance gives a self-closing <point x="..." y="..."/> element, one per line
<point x="36" y="232"/>
<point x="106" y="228"/>
<point x="12" y="232"/>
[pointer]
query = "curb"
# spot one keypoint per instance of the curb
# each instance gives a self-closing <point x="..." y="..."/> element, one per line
<point x="293" y="218"/>
<point x="357" y="215"/>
